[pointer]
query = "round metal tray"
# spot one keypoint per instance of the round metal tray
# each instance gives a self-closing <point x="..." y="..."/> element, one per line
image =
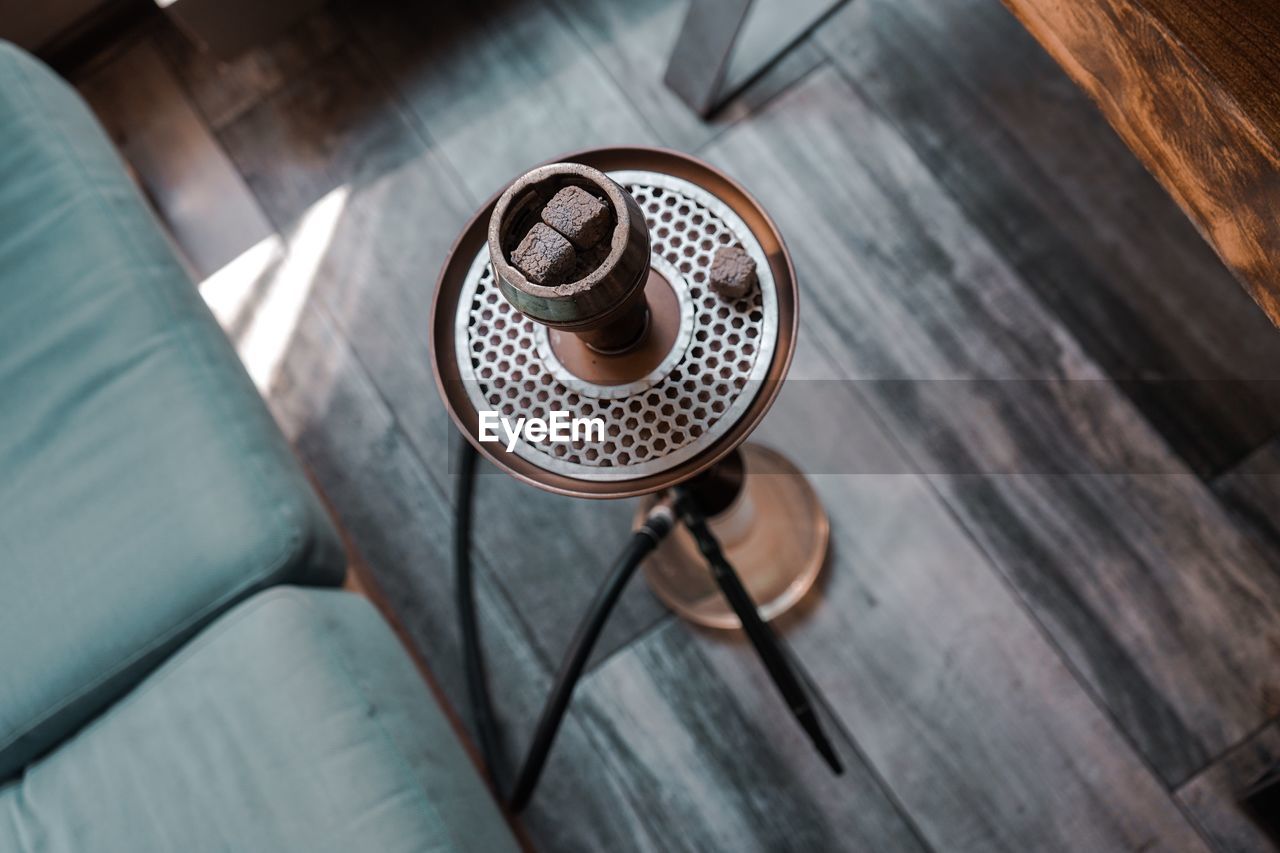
<point x="708" y="394"/>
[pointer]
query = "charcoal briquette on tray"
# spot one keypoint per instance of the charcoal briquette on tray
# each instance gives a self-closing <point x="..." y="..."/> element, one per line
<point x="544" y="256"/>
<point x="733" y="273"/>
<point x="581" y="217"/>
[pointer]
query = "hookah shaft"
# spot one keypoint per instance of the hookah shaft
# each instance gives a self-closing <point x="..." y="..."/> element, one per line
<point x="762" y="637"/>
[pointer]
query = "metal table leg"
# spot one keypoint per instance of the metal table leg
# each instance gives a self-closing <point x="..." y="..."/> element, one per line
<point x="725" y="44"/>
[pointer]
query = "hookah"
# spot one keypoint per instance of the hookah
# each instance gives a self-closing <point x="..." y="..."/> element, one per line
<point x="645" y="292"/>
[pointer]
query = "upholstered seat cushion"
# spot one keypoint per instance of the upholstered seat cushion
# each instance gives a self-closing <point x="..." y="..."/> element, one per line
<point x="294" y="722"/>
<point x="144" y="487"/>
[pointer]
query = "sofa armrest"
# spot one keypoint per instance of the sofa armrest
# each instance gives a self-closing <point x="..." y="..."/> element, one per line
<point x="144" y="487"/>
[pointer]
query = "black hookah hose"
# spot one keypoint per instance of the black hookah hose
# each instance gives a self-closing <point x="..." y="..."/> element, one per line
<point x="657" y="525"/>
<point x="642" y="542"/>
<point x="464" y="592"/>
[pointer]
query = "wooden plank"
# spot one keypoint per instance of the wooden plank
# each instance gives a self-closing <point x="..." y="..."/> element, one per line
<point x="691" y="721"/>
<point x="195" y="189"/>
<point x="1159" y="602"/>
<point x="1212" y="796"/>
<point x="498" y="87"/>
<point x="329" y="140"/>
<point x="956" y="698"/>
<point x="222" y="90"/>
<point x="631" y="40"/>
<point x="402" y="213"/>
<point x="1235" y="40"/>
<point x="1192" y="89"/>
<point x="1045" y="179"/>
<point x="1252" y="492"/>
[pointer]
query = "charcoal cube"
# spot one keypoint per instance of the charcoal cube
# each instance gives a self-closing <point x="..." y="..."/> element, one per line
<point x="733" y="273"/>
<point x="544" y="256"/>
<point x="581" y="217"/>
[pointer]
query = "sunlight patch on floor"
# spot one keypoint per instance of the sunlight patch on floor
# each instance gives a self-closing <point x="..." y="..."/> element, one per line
<point x="259" y="297"/>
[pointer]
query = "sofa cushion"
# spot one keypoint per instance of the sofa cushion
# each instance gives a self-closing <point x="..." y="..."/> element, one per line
<point x="294" y="722"/>
<point x="144" y="487"/>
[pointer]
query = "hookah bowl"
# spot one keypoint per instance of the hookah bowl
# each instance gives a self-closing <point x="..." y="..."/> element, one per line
<point x="637" y="338"/>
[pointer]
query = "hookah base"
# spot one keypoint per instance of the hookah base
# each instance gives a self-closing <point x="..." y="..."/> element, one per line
<point x="774" y="533"/>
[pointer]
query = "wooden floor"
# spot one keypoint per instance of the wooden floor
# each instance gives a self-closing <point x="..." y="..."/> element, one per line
<point x="1051" y="620"/>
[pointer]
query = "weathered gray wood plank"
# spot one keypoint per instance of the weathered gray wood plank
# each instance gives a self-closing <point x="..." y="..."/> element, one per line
<point x="498" y="86"/>
<point x="224" y="89"/>
<point x="693" y="724"/>
<point x="632" y="40"/>
<point x="196" y="190"/>
<point x="1252" y="492"/>
<point x="1095" y="238"/>
<point x="325" y="138"/>
<point x="1211" y="797"/>
<point x="1141" y="578"/>
<point x="403" y="209"/>
<point x="956" y="698"/>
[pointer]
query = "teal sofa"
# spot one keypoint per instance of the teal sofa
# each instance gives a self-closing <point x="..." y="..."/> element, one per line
<point x="178" y="671"/>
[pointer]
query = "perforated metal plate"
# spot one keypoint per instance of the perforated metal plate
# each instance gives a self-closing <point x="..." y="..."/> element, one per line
<point x="698" y="392"/>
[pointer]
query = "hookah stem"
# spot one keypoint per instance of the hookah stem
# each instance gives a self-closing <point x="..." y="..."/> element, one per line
<point x="762" y="636"/>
